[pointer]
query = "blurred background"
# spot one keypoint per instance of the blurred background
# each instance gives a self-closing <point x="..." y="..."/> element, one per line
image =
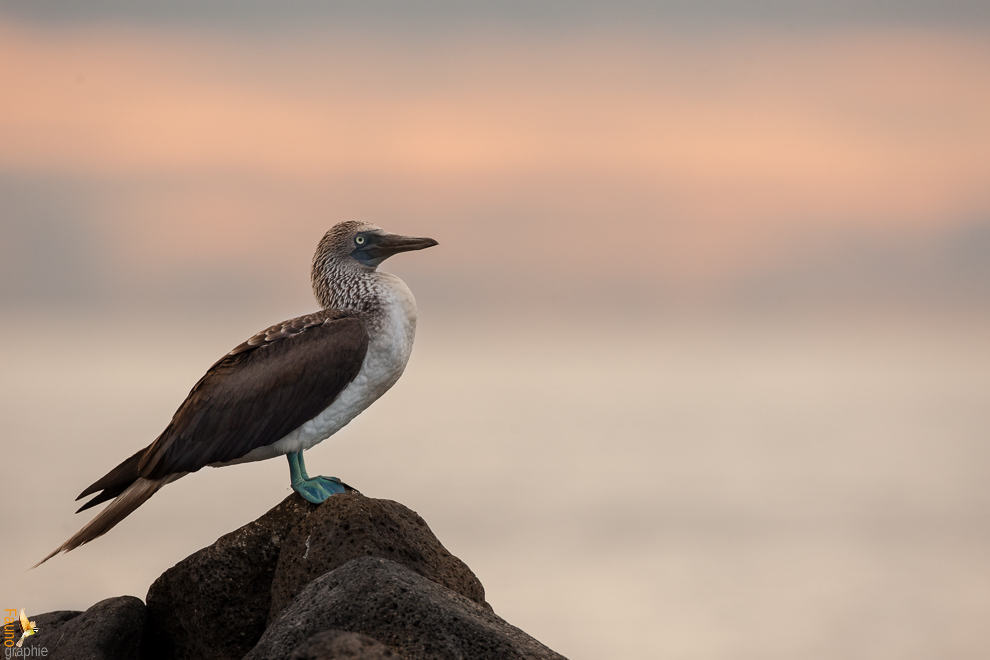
<point x="703" y="365"/>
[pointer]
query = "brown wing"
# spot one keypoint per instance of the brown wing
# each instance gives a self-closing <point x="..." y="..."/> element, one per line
<point x="255" y="395"/>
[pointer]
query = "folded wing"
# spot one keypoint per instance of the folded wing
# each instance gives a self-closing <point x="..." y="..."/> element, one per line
<point x="255" y="395"/>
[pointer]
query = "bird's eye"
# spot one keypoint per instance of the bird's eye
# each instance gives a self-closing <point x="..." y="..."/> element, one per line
<point x="359" y="240"/>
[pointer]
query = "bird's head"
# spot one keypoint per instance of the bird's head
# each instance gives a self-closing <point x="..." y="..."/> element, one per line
<point x="355" y="247"/>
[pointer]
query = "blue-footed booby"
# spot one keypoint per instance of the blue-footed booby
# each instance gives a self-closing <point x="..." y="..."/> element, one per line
<point x="288" y="387"/>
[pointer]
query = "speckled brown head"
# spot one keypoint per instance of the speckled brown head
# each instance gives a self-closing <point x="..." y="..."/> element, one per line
<point x="351" y="249"/>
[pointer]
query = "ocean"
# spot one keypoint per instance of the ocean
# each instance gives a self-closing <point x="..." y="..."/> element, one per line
<point x="727" y="486"/>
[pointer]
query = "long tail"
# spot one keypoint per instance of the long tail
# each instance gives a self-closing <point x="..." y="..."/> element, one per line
<point x="136" y="494"/>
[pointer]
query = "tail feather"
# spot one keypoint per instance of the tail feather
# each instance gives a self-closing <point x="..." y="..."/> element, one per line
<point x="126" y="502"/>
<point x="108" y="494"/>
<point x="120" y="478"/>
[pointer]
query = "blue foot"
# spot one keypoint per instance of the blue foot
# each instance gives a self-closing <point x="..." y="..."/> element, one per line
<point x="318" y="489"/>
<point x="313" y="489"/>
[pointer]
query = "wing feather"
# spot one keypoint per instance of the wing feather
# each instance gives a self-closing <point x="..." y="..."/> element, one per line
<point x="259" y="392"/>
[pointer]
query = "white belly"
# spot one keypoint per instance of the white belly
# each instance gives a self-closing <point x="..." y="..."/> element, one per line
<point x="388" y="352"/>
<point x="376" y="377"/>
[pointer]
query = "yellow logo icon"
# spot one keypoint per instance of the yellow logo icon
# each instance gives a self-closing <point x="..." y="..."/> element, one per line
<point x="28" y="628"/>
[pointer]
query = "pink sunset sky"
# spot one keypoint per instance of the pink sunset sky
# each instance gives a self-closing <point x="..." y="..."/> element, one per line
<point x="681" y="159"/>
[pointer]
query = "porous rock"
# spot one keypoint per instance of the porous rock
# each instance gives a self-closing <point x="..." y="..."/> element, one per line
<point x="418" y="618"/>
<point x="349" y="526"/>
<point x="113" y="629"/>
<point x="342" y="645"/>
<point x="214" y="603"/>
<point x="46" y="623"/>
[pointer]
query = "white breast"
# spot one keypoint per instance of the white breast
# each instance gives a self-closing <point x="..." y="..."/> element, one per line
<point x="391" y="339"/>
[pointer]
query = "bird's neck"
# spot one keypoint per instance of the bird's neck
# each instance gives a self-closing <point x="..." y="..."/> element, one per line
<point x="384" y="302"/>
<point x="358" y="291"/>
<point x="339" y="288"/>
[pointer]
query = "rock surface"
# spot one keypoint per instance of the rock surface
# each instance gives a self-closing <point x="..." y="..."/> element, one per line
<point x="215" y="602"/>
<point x="339" y="644"/>
<point x="47" y="624"/>
<point x="354" y="578"/>
<point x="113" y="629"/>
<point x="418" y="618"/>
<point x="349" y="526"/>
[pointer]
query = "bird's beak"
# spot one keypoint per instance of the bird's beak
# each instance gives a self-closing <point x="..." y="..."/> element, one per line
<point x="380" y="247"/>
<point x="390" y="244"/>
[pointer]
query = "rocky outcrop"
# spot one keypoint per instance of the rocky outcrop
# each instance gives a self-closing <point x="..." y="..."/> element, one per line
<point x="47" y="624"/>
<point x="349" y="526"/>
<point x="418" y="618"/>
<point x="339" y="644"/>
<point x="215" y="602"/>
<point x="354" y="577"/>
<point x="113" y="629"/>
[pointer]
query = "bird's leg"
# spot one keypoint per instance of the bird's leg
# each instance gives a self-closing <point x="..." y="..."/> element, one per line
<point x="297" y="467"/>
<point x="313" y="489"/>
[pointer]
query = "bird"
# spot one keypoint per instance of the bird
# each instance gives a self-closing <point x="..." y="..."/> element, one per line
<point x="28" y="628"/>
<point x="288" y="387"/>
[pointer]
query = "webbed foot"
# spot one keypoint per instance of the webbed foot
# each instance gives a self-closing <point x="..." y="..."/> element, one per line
<point x="313" y="489"/>
<point x="318" y="489"/>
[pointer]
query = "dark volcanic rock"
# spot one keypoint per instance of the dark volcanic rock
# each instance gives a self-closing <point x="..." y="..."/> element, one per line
<point x="338" y="645"/>
<point x="354" y="578"/>
<point x="417" y="617"/>
<point x="214" y="603"/>
<point x="46" y="624"/>
<point x="112" y="629"/>
<point x="349" y="526"/>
